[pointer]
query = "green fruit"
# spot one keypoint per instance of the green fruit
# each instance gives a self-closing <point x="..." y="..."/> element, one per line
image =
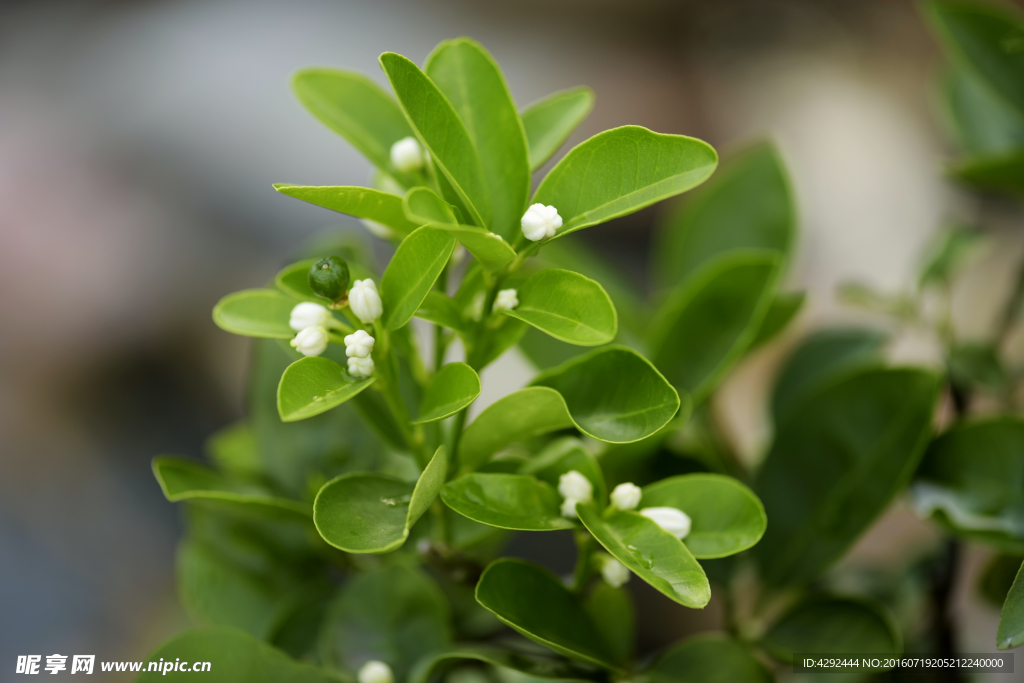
<point x="329" y="278"/>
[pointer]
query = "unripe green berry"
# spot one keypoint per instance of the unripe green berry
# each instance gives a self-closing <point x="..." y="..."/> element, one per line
<point x="329" y="278"/>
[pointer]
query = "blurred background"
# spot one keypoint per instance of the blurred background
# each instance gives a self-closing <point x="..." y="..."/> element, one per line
<point x="138" y="144"/>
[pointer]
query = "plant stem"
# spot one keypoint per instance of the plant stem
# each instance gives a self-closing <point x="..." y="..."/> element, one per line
<point x="584" y="566"/>
<point x="1013" y="307"/>
<point x="388" y="369"/>
<point x="457" y="426"/>
<point x="440" y="342"/>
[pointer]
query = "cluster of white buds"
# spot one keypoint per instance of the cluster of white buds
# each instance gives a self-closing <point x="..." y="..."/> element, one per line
<point x="407" y="155"/>
<point x="358" y="347"/>
<point x="626" y="496"/>
<point x="574" y="488"/>
<point x="672" y="520"/>
<point x="311" y="321"/>
<point x="375" y="672"/>
<point x="613" y="572"/>
<point x="540" y="222"/>
<point x="506" y="300"/>
<point x="364" y="301"/>
<point x="378" y="229"/>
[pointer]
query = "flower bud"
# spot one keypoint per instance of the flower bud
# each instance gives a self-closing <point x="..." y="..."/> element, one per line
<point x="375" y="672"/>
<point x="309" y="314"/>
<point x="311" y="341"/>
<point x="378" y="229"/>
<point x="674" y="521"/>
<point x="614" y="572"/>
<point x="329" y="277"/>
<point x="407" y="155"/>
<point x="574" y="485"/>
<point x="569" y="508"/>
<point x="365" y="301"/>
<point x="540" y="222"/>
<point x="360" y="367"/>
<point x="506" y="300"/>
<point x="359" y="344"/>
<point x="626" y="496"/>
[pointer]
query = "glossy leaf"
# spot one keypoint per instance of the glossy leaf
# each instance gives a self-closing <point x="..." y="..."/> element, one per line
<point x="472" y="81"/>
<point x="709" y="659"/>
<point x="847" y="450"/>
<point x="442" y="132"/>
<point x="561" y="456"/>
<point x="441" y="310"/>
<point x="549" y="122"/>
<point x="234" y="656"/>
<point x="726" y="516"/>
<point x="748" y="205"/>
<point x="314" y="385"/>
<point x="534" y="602"/>
<point x="361" y="202"/>
<point x="828" y="625"/>
<point x="971" y="480"/>
<point x="568" y="306"/>
<point x="411" y="274"/>
<point x="453" y="388"/>
<point x="650" y="552"/>
<point x="611" y="610"/>
<point x="710" y="320"/>
<point x="613" y="394"/>
<point x="182" y="479"/>
<point x="423" y="207"/>
<point x="506" y="501"/>
<point x="781" y="312"/>
<point x="532" y="664"/>
<point x="1011" y="623"/>
<point x="255" y="313"/>
<point x="620" y="171"/>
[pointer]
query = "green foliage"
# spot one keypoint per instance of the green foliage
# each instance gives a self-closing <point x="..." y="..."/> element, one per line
<point x="549" y="122"/>
<point x="830" y="625"/>
<point x="311" y="386"/>
<point x="454" y="387"/>
<point x="255" y="313"/>
<point x="361" y="202"/>
<point x="568" y="306"/>
<point x="709" y="659"/>
<point x="1011" y="625"/>
<point x="412" y="272"/>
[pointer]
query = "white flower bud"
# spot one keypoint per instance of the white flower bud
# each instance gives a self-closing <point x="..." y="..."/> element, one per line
<point x="378" y="229"/>
<point x="359" y="344"/>
<point x="365" y="301"/>
<point x="674" y="521"/>
<point x="375" y="672"/>
<point x="309" y="314"/>
<point x="360" y="367"/>
<point x="574" y="485"/>
<point x="540" y="222"/>
<point x="311" y="341"/>
<point x="626" y="496"/>
<point x="407" y="155"/>
<point x="506" y="300"/>
<point x="614" y="572"/>
<point x="569" y="508"/>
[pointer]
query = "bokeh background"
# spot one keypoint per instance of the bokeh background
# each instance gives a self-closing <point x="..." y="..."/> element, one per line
<point x="138" y="144"/>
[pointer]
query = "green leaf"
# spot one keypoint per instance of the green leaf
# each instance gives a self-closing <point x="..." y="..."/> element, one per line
<point x="393" y="614"/>
<point x="506" y="501"/>
<point x="847" y="449"/>
<point x="532" y="664"/>
<point x="234" y="450"/>
<point x="497" y="342"/>
<point x="650" y="552"/>
<point x="314" y="385"/>
<point x="473" y="83"/>
<point x="711" y="319"/>
<point x="726" y="516"/>
<point x="453" y="388"/>
<point x="986" y="38"/>
<point x="255" y="313"/>
<point x="1000" y="172"/>
<point x="411" y="274"/>
<point x="182" y="479"/>
<point x="611" y="610"/>
<point x="998" y="577"/>
<point x="549" y="122"/>
<point x="568" y="306"/>
<point x="234" y="656"/>
<point x="534" y="602"/>
<point x="709" y="659"/>
<point x="827" y="625"/>
<point x="781" y="312"/>
<point x="424" y="207"/>
<point x="984" y="122"/>
<point x="293" y="279"/>
<point x="439" y="128"/>
<point x="822" y="357"/>
<point x="1011" y="623"/>
<point x="748" y="205"/>
<point x="620" y="171"/>
<point x="971" y="480"/>
<point x="364" y="512"/>
<point x="948" y="254"/>
<point x="561" y="456"/>
<point x="613" y="394"/>
<point x="361" y="202"/>
<point x="441" y="310"/>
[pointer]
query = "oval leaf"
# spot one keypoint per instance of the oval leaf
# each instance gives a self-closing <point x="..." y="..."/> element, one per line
<point x="650" y="552"/>
<point x="561" y="456"/>
<point x="314" y="385"/>
<point x="726" y="516"/>
<point x="568" y="306"/>
<point x="532" y="664"/>
<point x="833" y="626"/>
<point x="549" y="122"/>
<point x="1011" y="622"/>
<point x="709" y="659"/>
<point x="506" y="501"/>
<point x="255" y="313"/>
<point x="535" y="603"/>
<point x="361" y="202"/>
<point x="182" y="479"/>
<point x="453" y="388"/>
<point x="411" y="274"/>
<point x="441" y="310"/>
<point x="423" y="207"/>
<point x="621" y="171"/>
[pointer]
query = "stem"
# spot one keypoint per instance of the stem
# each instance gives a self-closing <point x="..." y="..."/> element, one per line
<point x="584" y="566"/>
<point x="457" y="426"/>
<point x="1013" y="306"/>
<point x="943" y="581"/>
<point x="388" y="372"/>
<point x="440" y="342"/>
